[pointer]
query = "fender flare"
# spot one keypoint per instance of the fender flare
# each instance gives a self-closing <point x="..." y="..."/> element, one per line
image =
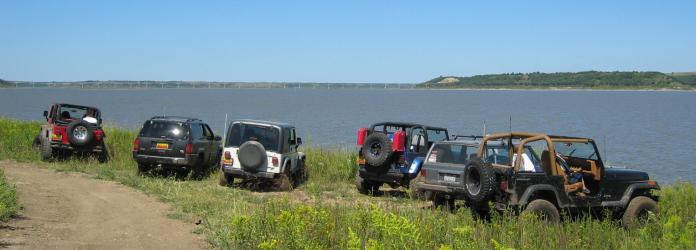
<point x="286" y="163"/>
<point x="626" y="197"/>
<point x="524" y="199"/>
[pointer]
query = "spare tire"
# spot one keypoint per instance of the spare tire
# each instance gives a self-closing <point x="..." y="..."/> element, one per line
<point x="252" y="156"/>
<point x="377" y="149"/>
<point x="479" y="181"/>
<point x="80" y="133"/>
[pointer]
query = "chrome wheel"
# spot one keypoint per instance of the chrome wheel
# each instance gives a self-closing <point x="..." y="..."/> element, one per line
<point x="80" y="133"/>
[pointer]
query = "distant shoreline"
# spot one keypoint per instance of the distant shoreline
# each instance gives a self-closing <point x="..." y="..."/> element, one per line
<point x="389" y="88"/>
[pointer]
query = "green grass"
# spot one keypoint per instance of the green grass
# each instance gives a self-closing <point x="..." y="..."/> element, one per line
<point x="8" y="198"/>
<point x="327" y="213"/>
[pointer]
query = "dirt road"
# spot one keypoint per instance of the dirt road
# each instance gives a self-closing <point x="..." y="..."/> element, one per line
<point x="73" y="211"/>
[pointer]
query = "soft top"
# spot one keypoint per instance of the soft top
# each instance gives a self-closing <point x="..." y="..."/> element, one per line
<point x="404" y="124"/>
<point x="259" y="122"/>
<point x="76" y="106"/>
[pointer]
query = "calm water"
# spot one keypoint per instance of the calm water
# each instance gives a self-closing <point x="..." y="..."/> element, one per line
<point x="651" y="131"/>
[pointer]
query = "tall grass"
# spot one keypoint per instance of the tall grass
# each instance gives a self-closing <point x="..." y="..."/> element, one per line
<point x="327" y="213"/>
<point x="8" y="198"/>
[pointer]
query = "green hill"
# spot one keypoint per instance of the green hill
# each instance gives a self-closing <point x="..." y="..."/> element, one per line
<point x="5" y="84"/>
<point x="688" y="78"/>
<point x="586" y="79"/>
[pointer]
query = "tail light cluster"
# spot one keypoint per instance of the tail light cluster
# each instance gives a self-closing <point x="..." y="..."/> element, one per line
<point x="98" y="135"/>
<point x="504" y="185"/>
<point x="189" y="148"/>
<point x="274" y="160"/>
<point x="228" y="158"/>
<point x="136" y="145"/>
<point x="58" y="132"/>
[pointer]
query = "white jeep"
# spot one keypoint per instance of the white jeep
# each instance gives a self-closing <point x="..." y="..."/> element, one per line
<point x="263" y="151"/>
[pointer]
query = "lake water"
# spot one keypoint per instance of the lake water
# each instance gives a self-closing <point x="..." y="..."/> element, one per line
<point x="651" y="131"/>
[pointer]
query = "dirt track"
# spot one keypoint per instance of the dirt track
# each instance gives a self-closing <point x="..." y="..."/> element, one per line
<point x="72" y="211"/>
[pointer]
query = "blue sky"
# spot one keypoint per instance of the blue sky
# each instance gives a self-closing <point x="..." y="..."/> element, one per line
<point x="338" y="41"/>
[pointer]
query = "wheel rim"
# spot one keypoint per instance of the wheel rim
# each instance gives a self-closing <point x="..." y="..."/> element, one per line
<point x="473" y="182"/>
<point x="375" y="149"/>
<point x="80" y="133"/>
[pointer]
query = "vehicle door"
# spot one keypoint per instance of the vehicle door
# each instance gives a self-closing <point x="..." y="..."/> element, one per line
<point x="212" y="146"/>
<point x="417" y="144"/>
<point x="289" y="148"/>
<point x="199" y="141"/>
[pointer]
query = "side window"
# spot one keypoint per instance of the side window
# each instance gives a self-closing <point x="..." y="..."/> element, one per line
<point x="196" y="131"/>
<point x="293" y="137"/>
<point x="207" y="133"/>
<point x="287" y="140"/>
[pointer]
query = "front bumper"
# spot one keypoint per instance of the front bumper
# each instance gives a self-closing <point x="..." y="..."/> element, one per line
<point x="238" y="173"/>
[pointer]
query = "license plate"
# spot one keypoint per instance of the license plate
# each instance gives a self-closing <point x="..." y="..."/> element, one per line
<point x="448" y="178"/>
<point x="162" y="146"/>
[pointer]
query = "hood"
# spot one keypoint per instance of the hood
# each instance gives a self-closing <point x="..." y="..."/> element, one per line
<point x="624" y="174"/>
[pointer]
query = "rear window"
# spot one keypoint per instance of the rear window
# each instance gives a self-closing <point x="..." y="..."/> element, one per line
<point x="451" y="153"/>
<point x="437" y="135"/>
<point x="241" y="133"/>
<point x="164" y="129"/>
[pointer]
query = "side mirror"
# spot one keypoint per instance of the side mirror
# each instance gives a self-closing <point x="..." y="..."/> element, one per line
<point x="45" y="113"/>
<point x="299" y="141"/>
<point x="218" y="138"/>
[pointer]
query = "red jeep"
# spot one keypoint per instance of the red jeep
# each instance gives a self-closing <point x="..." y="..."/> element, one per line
<point x="72" y="129"/>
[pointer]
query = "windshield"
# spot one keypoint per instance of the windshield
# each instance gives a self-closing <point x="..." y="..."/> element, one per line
<point x="164" y="129"/>
<point x="241" y="133"/>
<point x="451" y="153"/>
<point x="69" y="112"/>
<point x="584" y="150"/>
<point x="437" y="135"/>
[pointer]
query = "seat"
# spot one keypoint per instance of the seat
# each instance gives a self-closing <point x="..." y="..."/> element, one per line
<point x="546" y="166"/>
<point x="65" y="115"/>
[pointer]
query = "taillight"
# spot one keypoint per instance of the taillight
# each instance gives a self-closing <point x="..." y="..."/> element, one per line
<point x="275" y="161"/>
<point x="99" y="135"/>
<point x="228" y="155"/>
<point x="362" y="133"/>
<point x="136" y="144"/>
<point x="399" y="141"/>
<point x="503" y="185"/>
<point x="189" y="148"/>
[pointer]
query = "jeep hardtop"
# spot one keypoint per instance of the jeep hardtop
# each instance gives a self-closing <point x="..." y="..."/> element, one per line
<point x="387" y="150"/>
<point x="262" y="151"/>
<point x="70" y="129"/>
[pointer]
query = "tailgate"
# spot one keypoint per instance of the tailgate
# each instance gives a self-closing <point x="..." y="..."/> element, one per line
<point x="162" y="147"/>
<point x="444" y="174"/>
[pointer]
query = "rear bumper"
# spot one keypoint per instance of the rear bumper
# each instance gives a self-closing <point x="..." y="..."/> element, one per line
<point x="238" y="173"/>
<point x="440" y="188"/>
<point x="389" y="176"/>
<point x="149" y="159"/>
<point x="96" y="148"/>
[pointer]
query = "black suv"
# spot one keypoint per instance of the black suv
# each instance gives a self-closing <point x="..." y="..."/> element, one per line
<point x="387" y="151"/>
<point x="179" y="143"/>
<point x="539" y="174"/>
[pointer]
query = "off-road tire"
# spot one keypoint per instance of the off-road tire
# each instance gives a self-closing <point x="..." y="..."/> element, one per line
<point x="377" y="149"/>
<point x="47" y="153"/>
<point x="37" y="142"/>
<point x="103" y="156"/>
<point x="365" y="186"/>
<point x="200" y="169"/>
<point x="89" y="139"/>
<point x="416" y="193"/>
<point x="637" y="211"/>
<point x="544" y="209"/>
<point x="225" y="179"/>
<point x="300" y="175"/>
<point x="251" y="155"/>
<point x="143" y="169"/>
<point x="479" y="181"/>
<point x="446" y="204"/>
<point x="283" y="182"/>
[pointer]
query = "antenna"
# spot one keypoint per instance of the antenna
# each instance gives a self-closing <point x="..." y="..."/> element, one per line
<point x="224" y="131"/>
<point x="510" y="123"/>
<point x="484" y="127"/>
<point x="605" y="148"/>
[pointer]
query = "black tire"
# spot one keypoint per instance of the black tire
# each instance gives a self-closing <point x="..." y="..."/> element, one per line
<point x="416" y="193"/>
<point x="226" y="180"/>
<point x="300" y="175"/>
<point x="479" y="181"/>
<point x="103" y="156"/>
<point x="544" y="209"/>
<point x="637" y="211"/>
<point x="446" y="204"/>
<point x="284" y="181"/>
<point x="47" y="153"/>
<point x="37" y="141"/>
<point x="143" y="169"/>
<point x="200" y="169"/>
<point x="365" y="186"/>
<point x="377" y="149"/>
<point x="252" y="156"/>
<point x="80" y="133"/>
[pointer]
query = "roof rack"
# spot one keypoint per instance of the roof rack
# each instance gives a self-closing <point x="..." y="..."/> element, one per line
<point x="473" y="137"/>
<point x="178" y="118"/>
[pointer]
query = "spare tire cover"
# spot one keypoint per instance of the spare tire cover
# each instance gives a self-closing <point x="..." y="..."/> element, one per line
<point x="377" y="149"/>
<point x="80" y="133"/>
<point x="252" y="156"/>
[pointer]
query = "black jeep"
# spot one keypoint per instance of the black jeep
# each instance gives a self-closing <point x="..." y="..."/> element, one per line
<point x="179" y="143"/>
<point x="550" y="174"/>
<point x="387" y="151"/>
<point x="72" y="129"/>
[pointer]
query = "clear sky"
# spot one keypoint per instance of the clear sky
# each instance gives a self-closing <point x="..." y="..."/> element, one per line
<point x="338" y="41"/>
